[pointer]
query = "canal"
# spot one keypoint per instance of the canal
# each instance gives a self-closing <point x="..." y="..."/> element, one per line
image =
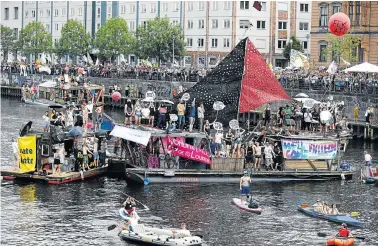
<point x="79" y="213"/>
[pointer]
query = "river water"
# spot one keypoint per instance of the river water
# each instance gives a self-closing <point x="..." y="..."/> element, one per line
<point x="79" y="213"/>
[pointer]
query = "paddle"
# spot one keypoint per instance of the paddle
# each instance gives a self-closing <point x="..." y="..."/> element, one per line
<point x="112" y="227"/>
<point x="323" y="234"/>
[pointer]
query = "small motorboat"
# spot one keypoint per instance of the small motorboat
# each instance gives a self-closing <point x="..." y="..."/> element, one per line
<point x="142" y="235"/>
<point x="306" y="209"/>
<point x="244" y="206"/>
<point x="340" y="241"/>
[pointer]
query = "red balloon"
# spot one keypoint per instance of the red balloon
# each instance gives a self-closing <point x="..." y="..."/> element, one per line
<point x="116" y="96"/>
<point x="339" y="24"/>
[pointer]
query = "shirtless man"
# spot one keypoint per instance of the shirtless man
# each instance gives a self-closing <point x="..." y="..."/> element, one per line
<point x="244" y="187"/>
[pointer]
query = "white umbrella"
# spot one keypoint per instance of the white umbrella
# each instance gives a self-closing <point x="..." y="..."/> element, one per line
<point x="307" y="102"/>
<point x="363" y="68"/>
<point x="301" y="95"/>
<point x="167" y="101"/>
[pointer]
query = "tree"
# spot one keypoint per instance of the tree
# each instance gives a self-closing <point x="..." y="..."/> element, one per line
<point x="294" y="44"/>
<point x="34" y="39"/>
<point x="113" y="38"/>
<point x="74" y="41"/>
<point x="156" y="38"/>
<point x="344" y="46"/>
<point x="8" y="40"/>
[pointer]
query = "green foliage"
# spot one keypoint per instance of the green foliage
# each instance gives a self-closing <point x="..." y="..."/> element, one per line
<point x="343" y="46"/>
<point x="113" y="38"/>
<point x="8" y="40"/>
<point x="156" y="40"/>
<point x="34" y="39"/>
<point x="294" y="44"/>
<point x="74" y="41"/>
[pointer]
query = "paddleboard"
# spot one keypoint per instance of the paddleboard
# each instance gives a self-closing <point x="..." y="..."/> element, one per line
<point x="244" y="206"/>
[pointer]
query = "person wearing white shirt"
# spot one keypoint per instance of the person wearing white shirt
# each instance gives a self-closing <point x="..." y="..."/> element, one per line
<point x="90" y="109"/>
<point x="307" y="116"/>
<point x="269" y="154"/>
<point x="368" y="158"/>
<point x="201" y="116"/>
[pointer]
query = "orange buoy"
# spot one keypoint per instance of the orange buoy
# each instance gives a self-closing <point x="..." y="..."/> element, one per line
<point x="340" y="241"/>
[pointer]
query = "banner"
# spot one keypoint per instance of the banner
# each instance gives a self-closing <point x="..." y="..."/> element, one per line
<point x="298" y="59"/>
<point x="134" y="135"/>
<point x="179" y="148"/>
<point x="309" y="149"/>
<point x="28" y="153"/>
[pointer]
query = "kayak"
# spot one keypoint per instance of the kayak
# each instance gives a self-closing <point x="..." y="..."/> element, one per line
<point x="244" y="206"/>
<point x="340" y="241"/>
<point x="140" y="234"/>
<point x="335" y="218"/>
<point x="124" y="215"/>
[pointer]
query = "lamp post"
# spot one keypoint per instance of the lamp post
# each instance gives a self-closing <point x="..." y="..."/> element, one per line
<point x="308" y="43"/>
<point x="173" y="50"/>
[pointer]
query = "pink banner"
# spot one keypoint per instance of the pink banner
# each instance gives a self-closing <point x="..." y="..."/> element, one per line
<point x="179" y="148"/>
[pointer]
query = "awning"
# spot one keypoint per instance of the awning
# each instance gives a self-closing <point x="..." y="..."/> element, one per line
<point x="134" y="135"/>
<point x="48" y="84"/>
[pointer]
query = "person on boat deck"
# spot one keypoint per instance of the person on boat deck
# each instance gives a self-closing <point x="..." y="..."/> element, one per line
<point x="46" y="119"/>
<point x="53" y="114"/>
<point x="318" y="207"/>
<point x="334" y="210"/>
<point x="129" y="205"/>
<point x="133" y="220"/>
<point x="245" y="182"/>
<point x="368" y="158"/>
<point x="344" y="232"/>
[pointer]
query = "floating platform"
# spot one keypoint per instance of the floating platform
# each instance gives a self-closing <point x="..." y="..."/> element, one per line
<point x="56" y="179"/>
<point x="138" y="175"/>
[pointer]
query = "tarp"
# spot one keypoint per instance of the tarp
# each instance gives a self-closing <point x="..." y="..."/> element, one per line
<point x="178" y="148"/>
<point x="48" y="84"/>
<point x="363" y="68"/>
<point x="134" y="135"/>
<point x="28" y="153"/>
<point x="309" y="149"/>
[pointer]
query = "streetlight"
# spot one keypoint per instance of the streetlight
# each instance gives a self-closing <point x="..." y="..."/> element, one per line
<point x="308" y="40"/>
<point x="173" y="50"/>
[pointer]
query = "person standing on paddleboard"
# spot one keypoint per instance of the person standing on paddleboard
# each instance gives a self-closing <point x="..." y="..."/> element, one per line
<point x="245" y="182"/>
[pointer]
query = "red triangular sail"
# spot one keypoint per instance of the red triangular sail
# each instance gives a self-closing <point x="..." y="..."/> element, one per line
<point x="259" y="84"/>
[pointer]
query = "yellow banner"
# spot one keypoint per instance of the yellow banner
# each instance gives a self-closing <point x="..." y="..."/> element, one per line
<point x="28" y="153"/>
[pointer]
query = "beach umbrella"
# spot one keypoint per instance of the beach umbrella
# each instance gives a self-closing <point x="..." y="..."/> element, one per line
<point x="301" y="95"/>
<point x="76" y="131"/>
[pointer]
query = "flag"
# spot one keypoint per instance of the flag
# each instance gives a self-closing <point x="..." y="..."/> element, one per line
<point x="298" y="59"/>
<point x="89" y="58"/>
<point x="242" y="81"/>
<point x="97" y="62"/>
<point x="257" y="5"/>
<point x="84" y="58"/>
<point x="122" y="58"/>
<point x="44" y="69"/>
<point x="19" y="58"/>
<point x="10" y="58"/>
<point x="48" y="58"/>
<point x="345" y="62"/>
<point x="332" y="69"/>
<point x="43" y="59"/>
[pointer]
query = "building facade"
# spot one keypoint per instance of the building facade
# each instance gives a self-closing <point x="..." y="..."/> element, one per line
<point x="211" y="28"/>
<point x="363" y="16"/>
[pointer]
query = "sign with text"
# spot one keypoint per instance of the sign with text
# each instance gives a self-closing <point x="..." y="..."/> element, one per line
<point x="179" y="148"/>
<point x="28" y="153"/>
<point x="309" y="149"/>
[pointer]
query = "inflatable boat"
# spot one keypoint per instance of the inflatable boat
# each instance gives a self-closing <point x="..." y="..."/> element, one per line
<point x="140" y="234"/>
<point x="244" y="206"/>
<point x="340" y="241"/>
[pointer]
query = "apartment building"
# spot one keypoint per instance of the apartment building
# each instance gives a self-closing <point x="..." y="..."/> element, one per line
<point x="211" y="28"/>
<point x="363" y="16"/>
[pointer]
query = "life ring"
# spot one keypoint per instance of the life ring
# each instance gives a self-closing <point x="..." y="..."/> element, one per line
<point x="340" y="241"/>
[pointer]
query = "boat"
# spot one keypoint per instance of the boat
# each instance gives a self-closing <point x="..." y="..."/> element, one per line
<point x="304" y="208"/>
<point x="141" y="235"/>
<point x="369" y="174"/>
<point x="244" y="206"/>
<point x="340" y="241"/>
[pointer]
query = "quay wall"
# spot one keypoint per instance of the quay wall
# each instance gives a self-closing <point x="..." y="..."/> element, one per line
<point x="166" y="90"/>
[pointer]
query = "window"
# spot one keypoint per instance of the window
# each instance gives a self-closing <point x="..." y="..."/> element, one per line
<point x="263" y="6"/>
<point x="226" y="42"/>
<point x="200" y="42"/>
<point x="63" y="12"/>
<point x="226" y="24"/>
<point x="6" y="14"/>
<point x="143" y="8"/>
<point x="41" y="13"/>
<point x="56" y="27"/>
<point x="226" y="5"/>
<point x="214" y="43"/>
<point x="48" y="27"/>
<point x="303" y="26"/>
<point x="33" y="13"/>
<point x="26" y="14"/>
<point x="214" y="5"/>
<point x="175" y="22"/>
<point x="351" y="6"/>
<point x="132" y="8"/>
<point x="303" y="7"/>
<point x="244" y="24"/>
<point x="123" y="9"/>
<point x="55" y="41"/>
<point x="260" y="24"/>
<point x="175" y="7"/>
<point x="304" y="45"/>
<point x="323" y="21"/>
<point x="15" y="31"/>
<point x="98" y="26"/>
<point x="322" y="54"/>
<point x="282" y="6"/>
<point x="48" y="12"/>
<point x="165" y="7"/>
<point x="335" y="9"/>
<point x="144" y="24"/>
<point x="72" y="11"/>
<point x="153" y="8"/>
<point x="131" y="25"/>
<point x="190" y="6"/>
<point x="98" y="12"/>
<point x="201" y="24"/>
<point x="16" y="13"/>
<point x="80" y="11"/>
<point x="358" y="13"/>
<point x="201" y="5"/>
<point x="281" y="43"/>
<point x="282" y="25"/>
<point x="260" y="43"/>
<point x="244" y="4"/>
<point x="109" y="12"/>
<point x="190" y="24"/>
<point x="214" y="23"/>
<point x="189" y="42"/>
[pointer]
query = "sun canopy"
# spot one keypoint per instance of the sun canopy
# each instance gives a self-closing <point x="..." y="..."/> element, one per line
<point x="48" y="84"/>
<point x="363" y="68"/>
<point x="134" y="135"/>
